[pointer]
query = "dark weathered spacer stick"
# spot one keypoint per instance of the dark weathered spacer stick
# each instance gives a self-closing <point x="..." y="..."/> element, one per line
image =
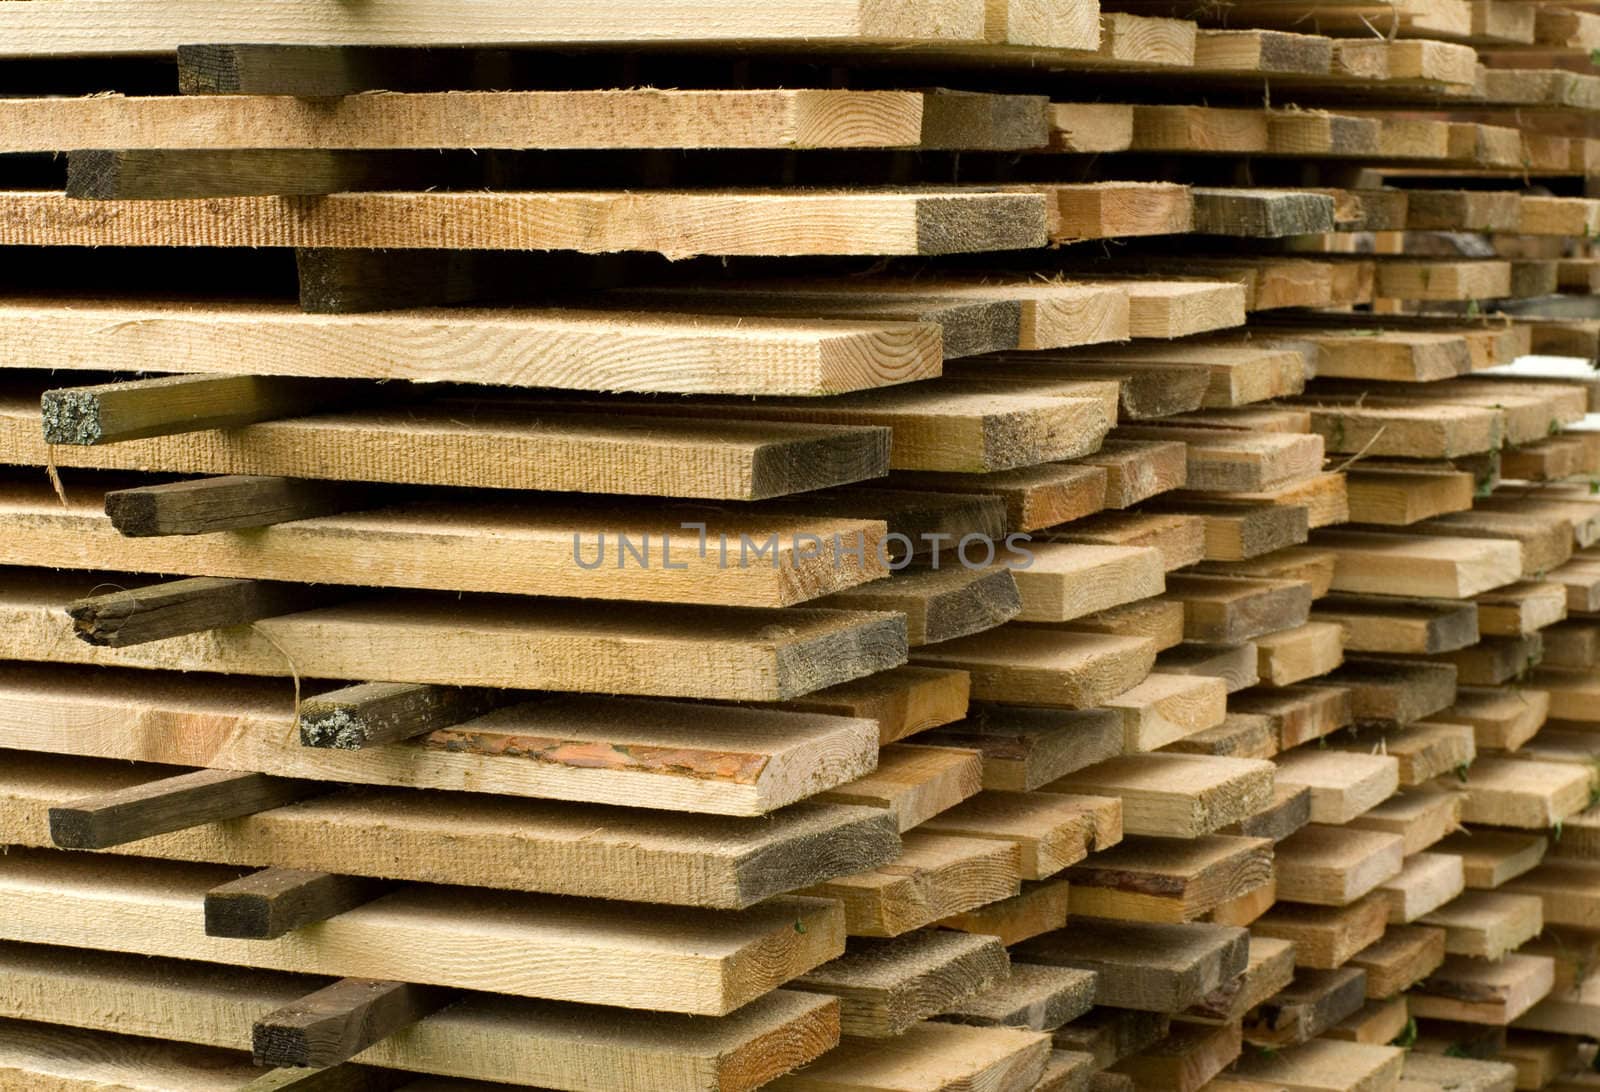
<point x="369" y="714"/>
<point x="138" y="408"/>
<point x="172" y="803"/>
<point x="267" y="904"/>
<point x="312" y="71"/>
<point x="340" y="1021"/>
<point x="122" y="618"/>
<point x="230" y="503"/>
<point x="154" y="174"/>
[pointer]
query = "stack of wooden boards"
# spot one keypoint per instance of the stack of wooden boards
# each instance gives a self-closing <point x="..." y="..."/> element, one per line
<point x="846" y="547"/>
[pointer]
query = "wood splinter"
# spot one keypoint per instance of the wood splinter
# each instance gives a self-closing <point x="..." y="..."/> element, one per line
<point x="123" y="618"/>
<point x="169" y="804"/>
<point x="340" y="1021"/>
<point x="267" y="904"/>
<point x="370" y="714"/>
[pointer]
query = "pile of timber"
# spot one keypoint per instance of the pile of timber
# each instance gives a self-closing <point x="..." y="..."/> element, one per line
<point x="933" y="546"/>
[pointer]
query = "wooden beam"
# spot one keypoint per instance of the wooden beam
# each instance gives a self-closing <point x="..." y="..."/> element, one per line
<point x="337" y="1022"/>
<point x="948" y="1055"/>
<point x="268" y="904"/>
<point x="156" y="612"/>
<point x="232" y="503"/>
<point x="1033" y="996"/>
<point x="136" y="409"/>
<point x="169" y="804"/>
<point x="372" y="714"/>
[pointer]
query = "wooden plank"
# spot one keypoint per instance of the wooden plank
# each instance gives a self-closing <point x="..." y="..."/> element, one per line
<point x="1230" y="609"/>
<point x="502" y="447"/>
<point x="1326" y="1065"/>
<point x="1060" y="581"/>
<point x="493" y="755"/>
<point x="232" y="117"/>
<point x="1189" y="1057"/>
<point x="1387" y="624"/>
<point x="1037" y="908"/>
<point x="157" y="908"/>
<point x="902" y="701"/>
<point x="1304" y="652"/>
<point x="1438" y="568"/>
<point x="1235" y="665"/>
<point x="78" y="31"/>
<point x="930" y="1055"/>
<point x="268" y="904"/>
<point x="337" y="1022"/>
<point x="1043" y="666"/>
<point x="1145" y="966"/>
<point x="1422" y="817"/>
<point x="907" y="223"/>
<point x="1396" y="496"/>
<point x="1269" y="969"/>
<point x="1036" y="497"/>
<point x="1022" y="749"/>
<point x="1524" y="794"/>
<point x="1342" y="785"/>
<point x="1308" y="1008"/>
<point x="886" y="987"/>
<point x="1491" y="857"/>
<point x="1487" y="924"/>
<point x="1479" y="992"/>
<point x="1298" y="714"/>
<point x="642" y="352"/>
<point x="1428" y="881"/>
<point x="1108" y="1035"/>
<point x="933" y="879"/>
<point x="138" y="616"/>
<point x="1401" y="958"/>
<point x="166" y="805"/>
<point x="1222" y="460"/>
<point x="1169" y="880"/>
<point x="530" y="650"/>
<point x="1139" y="469"/>
<point x="1034" y="996"/>
<point x="1176" y="795"/>
<point x="1424" y="750"/>
<point x="939" y="603"/>
<point x="913" y="782"/>
<point x="555" y="1044"/>
<point x="41" y="1056"/>
<point x="1325" y="937"/>
<point x="1179" y="538"/>
<point x="1500" y="720"/>
<point x="1050" y="831"/>
<point x="1332" y="866"/>
<point x="1288" y="811"/>
<point x="476" y="839"/>
<point x="1165" y="708"/>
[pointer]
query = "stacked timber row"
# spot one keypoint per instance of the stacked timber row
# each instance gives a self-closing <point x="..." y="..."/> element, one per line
<point x="845" y="547"/>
